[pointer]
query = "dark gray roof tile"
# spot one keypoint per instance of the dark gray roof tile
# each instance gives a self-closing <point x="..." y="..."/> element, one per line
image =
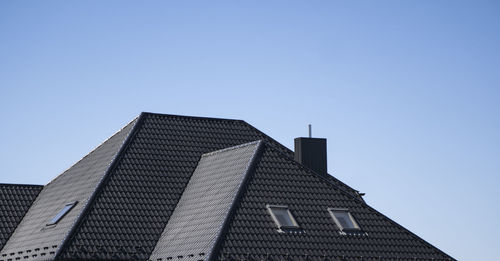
<point x="143" y="189"/>
<point x="132" y="184"/>
<point x="278" y="180"/>
<point x="78" y="183"/>
<point x="15" y="200"/>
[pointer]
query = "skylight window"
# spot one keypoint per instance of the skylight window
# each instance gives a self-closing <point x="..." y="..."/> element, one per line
<point x="282" y="216"/>
<point x="343" y="219"/>
<point x="62" y="213"/>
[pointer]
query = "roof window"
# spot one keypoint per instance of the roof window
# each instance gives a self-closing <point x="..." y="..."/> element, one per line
<point x="62" y="213"/>
<point x="343" y="219"/>
<point x="282" y="216"/>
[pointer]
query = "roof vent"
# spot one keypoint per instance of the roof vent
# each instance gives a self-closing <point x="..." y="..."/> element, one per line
<point x="311" y="152"/>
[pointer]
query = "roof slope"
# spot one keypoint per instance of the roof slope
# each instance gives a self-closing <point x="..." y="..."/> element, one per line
<point x="136" y="200"/>
<point x="196" y="222"/>
<point x="15" y="200"/>
<point x="252" y="234"/>
<point x="139" y="183"/>
<point x="33" y="239"/>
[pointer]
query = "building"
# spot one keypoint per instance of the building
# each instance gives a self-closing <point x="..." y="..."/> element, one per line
<point x="180" y="188"/>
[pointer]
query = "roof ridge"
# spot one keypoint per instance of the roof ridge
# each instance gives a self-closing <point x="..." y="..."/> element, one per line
<point x="267" y="137"/>
<point x="20" y="185"/>
<point x="309" y="171"/>
<point x="192" y="117"/>
<point x="94" y="149"/>
<point x="292" y="152"/>
<point x="230" y="148"/>
<point x="65" y="242"/>
<point x="321" y="176"/>
<point x="214" y="243"/>
<point x="237" y="196"/>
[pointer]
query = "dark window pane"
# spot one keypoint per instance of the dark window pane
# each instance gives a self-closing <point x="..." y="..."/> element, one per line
<point x="343" y="219"/>
<point x="282" y="216"/>
<point x="61" y="213"/>
<point x="342" y="222"/>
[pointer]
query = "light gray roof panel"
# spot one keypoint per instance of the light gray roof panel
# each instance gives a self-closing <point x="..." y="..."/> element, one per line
<point x="198" y="218"/>
<point x="33" y="239"/>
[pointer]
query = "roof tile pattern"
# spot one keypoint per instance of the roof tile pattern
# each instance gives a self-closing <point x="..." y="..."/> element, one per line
<point x="135" y="203"/>
<point x="15" y="200"/>
<point x="196" y="222"/>
<point x="129" y="187"/>
<point x="252" y="234"/>
<point x="33" y="239"/>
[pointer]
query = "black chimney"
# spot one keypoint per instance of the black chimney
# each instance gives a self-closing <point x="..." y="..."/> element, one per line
<point x="311" y="152"/>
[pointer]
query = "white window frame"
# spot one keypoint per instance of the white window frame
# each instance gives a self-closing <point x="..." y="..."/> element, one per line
<point x="356" y="226"/>
<point x="278" y="224"/>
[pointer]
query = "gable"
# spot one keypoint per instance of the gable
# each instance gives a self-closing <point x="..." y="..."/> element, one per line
<point x="15" y="200"/>
<point x="252" y="234"/>
<point x="33" y="239"/>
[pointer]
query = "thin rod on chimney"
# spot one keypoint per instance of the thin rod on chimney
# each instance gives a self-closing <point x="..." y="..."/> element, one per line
<point x="310" y="131"/>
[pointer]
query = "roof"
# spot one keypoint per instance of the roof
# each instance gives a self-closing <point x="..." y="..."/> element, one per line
<point x="33" y="238"/>
<point x="195" y="225"/>
<point x="15" y="200"/>
<point x="278" y="180"/>
<point x="135" y="190"/>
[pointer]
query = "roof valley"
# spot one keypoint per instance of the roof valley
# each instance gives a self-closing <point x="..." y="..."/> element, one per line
<point x="201" y="214"/>
<point x="169" y="187"/>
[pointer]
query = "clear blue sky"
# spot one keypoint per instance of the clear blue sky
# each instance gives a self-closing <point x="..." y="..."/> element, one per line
<point x="406" y="92"/>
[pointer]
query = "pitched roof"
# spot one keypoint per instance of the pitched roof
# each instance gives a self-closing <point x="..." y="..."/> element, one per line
<point x="136" y="200"/>
<point x="33" y="238"/>
<point x="134" y="189"/>
<point x="195" y="225"/>
<point x="278" y="180"/>
<point x="15" y="200"/>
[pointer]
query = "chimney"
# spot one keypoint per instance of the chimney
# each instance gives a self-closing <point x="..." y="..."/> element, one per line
<point x="311" y="152"/>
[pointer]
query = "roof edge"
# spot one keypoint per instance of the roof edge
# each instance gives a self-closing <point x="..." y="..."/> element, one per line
<point x="411" y="233"/>
<point x="20" y="185"/>
<point x="321" y="176"/>
<point x="238" y="195"/>
<point x="291" y="151"/>
<point x="231" y="148"/>
<point x="360" y="200"/>
<point x="271" y="142"/>
<point x="192" y="117"/>
<point x="65" y="242"/>
<point x="267" y="136"/>
<point x="94" y="149"/>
